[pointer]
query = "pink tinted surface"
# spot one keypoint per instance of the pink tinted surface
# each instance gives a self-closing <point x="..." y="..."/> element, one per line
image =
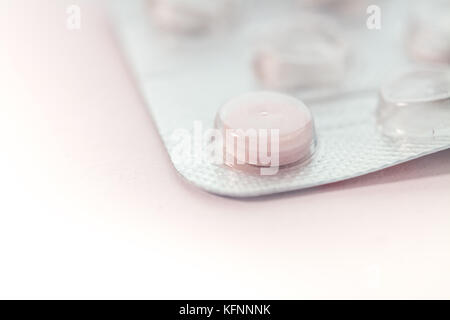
<point x="271" y="111"/>
<point x="266" y="110"/>
<point x="92" y="208"/>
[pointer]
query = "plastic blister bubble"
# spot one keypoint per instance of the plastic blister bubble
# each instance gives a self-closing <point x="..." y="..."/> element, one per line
<point x="358" y="127"/>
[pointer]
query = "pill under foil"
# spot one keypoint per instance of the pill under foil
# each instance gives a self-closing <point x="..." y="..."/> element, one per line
<point x="185" y="81"/>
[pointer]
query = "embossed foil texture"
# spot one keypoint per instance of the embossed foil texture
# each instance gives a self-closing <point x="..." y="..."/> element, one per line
<point x="185" y="79"/>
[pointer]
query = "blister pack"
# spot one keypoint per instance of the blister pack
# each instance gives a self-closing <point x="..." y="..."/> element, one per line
<point x="260" y="97"/>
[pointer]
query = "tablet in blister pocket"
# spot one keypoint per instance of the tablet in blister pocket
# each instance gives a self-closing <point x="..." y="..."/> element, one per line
<point x="322" y="138"/>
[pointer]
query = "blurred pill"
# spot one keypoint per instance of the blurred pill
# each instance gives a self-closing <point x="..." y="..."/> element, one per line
<point x="189" y="16"/>
<point x="428" y="32"/>
<point x="310" y="53"/>
<point x="266" y="123"/>
<point x="416" y="104"/>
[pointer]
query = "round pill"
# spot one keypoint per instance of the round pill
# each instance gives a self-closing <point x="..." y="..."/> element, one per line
<point x="188" y="16"/>
<point x="428" y="32"/>
<point x="416" y="104"/>
<point x="308" y="53"/>
<point x="266" y="129"/>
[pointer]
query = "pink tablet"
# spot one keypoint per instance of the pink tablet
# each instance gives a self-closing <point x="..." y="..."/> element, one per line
<point x="266" y="129"/>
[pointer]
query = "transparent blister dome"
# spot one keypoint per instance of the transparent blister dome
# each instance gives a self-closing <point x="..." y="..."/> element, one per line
<point x="310" y="51"/>
<point x="416" y="105"/>
<point x="189" y="16"/>
<point x="333" y="120"/>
